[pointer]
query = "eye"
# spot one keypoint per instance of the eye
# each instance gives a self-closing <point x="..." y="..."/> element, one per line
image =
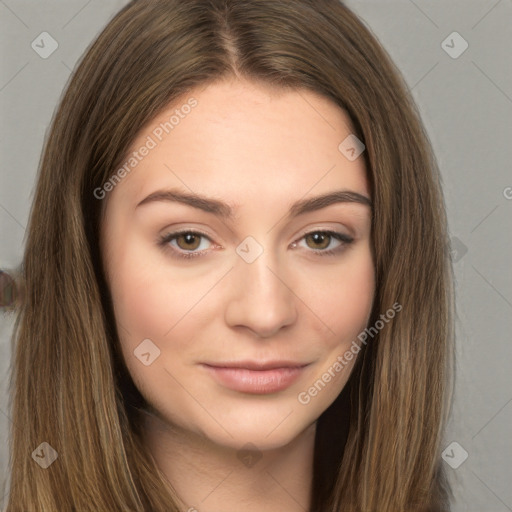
<point x="321" y="237"/>
<point x="188" y="242"/>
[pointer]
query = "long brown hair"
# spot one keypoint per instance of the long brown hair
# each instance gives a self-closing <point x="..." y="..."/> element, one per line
<point x="378" y="445"/>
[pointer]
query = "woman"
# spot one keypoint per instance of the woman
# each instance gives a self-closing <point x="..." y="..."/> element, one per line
<point x="262" y="372"/>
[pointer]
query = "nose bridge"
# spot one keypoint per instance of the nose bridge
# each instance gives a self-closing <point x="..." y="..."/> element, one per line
<point x="262" y="277"/>
<point x="262" y="300"/>
<point x="261" y="265"/>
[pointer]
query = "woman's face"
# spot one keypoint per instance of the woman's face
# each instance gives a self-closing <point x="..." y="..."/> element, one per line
<point x="260" y="293"/>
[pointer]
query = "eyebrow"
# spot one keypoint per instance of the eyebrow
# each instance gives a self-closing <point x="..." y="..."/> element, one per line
<point x="226" y="211"/>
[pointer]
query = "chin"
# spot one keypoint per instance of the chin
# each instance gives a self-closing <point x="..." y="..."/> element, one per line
<point x="265" y="432"/>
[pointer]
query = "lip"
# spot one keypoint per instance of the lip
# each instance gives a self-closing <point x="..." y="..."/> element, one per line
<point x="256" y="377"/>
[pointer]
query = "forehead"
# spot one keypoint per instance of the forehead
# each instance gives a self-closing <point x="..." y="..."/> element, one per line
<point x="243" y="143"/>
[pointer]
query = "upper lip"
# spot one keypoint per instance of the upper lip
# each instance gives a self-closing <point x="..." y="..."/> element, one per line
<point x="257" y="365"/>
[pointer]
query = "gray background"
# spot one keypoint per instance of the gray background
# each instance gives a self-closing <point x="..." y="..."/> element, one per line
<point x="466" y="104"/>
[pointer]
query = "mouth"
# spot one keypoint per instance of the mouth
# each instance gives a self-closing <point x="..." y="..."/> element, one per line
<point x="256" y="377"/>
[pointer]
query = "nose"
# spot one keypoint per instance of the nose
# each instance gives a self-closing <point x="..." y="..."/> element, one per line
<point x="263" y="299"/>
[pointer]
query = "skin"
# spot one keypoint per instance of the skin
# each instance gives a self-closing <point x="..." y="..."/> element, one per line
<point x="259" y="150"/>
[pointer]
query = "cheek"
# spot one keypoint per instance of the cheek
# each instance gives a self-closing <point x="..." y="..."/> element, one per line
<point x="146" y="305"/>
<point x="345" y="307"/>
<point x="140" y="299"/>
<point x="345" y="299"/>
<point x="153" y="302"/>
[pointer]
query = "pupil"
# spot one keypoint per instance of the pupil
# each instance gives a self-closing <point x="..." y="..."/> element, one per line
<point x="189" y="239"/>
<point x="318" y="238"/>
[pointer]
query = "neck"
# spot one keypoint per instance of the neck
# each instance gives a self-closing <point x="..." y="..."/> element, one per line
<point x="210" y="478"/>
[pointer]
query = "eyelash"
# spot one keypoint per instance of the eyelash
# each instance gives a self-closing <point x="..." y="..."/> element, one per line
<point x="164" y="240"/>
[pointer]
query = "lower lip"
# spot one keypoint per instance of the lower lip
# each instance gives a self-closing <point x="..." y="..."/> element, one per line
<point x="255" y="381"/>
